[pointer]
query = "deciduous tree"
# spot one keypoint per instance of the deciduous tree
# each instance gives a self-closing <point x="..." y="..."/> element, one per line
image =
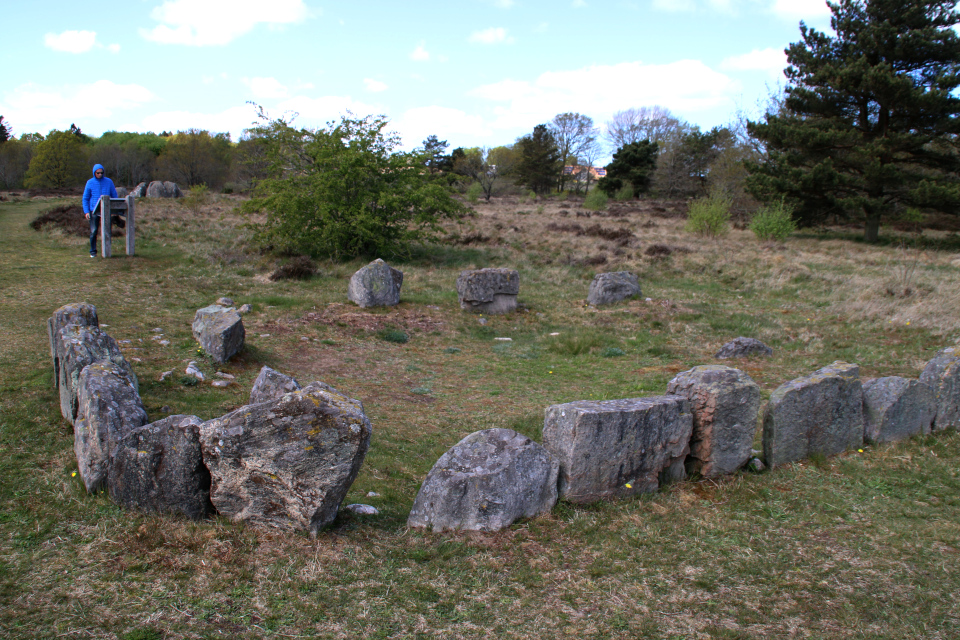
<point x="195" y="157"/>
<point x="57" y="162"/>
<point x="574" y="133"/>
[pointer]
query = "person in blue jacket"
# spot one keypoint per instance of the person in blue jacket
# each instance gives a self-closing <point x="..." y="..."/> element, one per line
<point x="98" y="185"/>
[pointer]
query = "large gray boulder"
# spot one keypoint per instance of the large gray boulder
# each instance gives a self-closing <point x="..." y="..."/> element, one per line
<point x="173" y="189"/>
<point x="77" y="347"/>
<point x="78" y="313"/>
<point x="140" y="190"/>
<point x="942" y="373"/>
<point x="725" y="404"/>
<point x="488" y="290"/>
<point x="485" y="482"/>
<point x="743" y="348"/>
<point x="896" y="408"/>
<point x="219" y="330"/>
<point x="122" y="192"/>
<point x="109" y="409"/>
<point x="271" y="385"/>
<point x="819" y="414"/>
<point x="157" y="189"/>
<point x="159" y="467"/>
<point x="376" y="285"/>
<point x="608" y="288"/>
<point x="289" y="463"/>
<point x="617" y="448"/>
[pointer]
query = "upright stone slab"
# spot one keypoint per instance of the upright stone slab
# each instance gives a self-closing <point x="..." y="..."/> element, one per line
<point x="219" y="330"/>
<point x="725" y="404"/>
<point x="376" y="285"/>
<point x="942" y="373"/>
<point x="617" y="448"/>
<point x="172" y="189"/>
<point x="78" y="347"/>
<point x="109" y="409"/>
<point x="159" y="467"/>
<point x="289" y="463"/>
<point x="896" y="408"/>
<point x="609" y="288"/>
<point x="78" y="313"/>
<point x="139" y="191"/>
<point x="489" y="291"/>
<point x="271" y="385"/>
<point x="817" y="414"/>
<point x="485" y="482"/>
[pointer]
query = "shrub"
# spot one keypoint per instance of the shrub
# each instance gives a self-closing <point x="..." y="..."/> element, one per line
<point x="393" y="335"/>
<point x="773" y="222"/>
<point x="596" y="200"/>
<point x="624" y="193"/>
<point x="198" y="196"/>
<point x="474" y="191"/>
<point x="709" y="217"/>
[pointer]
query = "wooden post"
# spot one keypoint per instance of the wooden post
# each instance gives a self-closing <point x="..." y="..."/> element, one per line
<point x="105" y="226"/>
<point x="130" y="225"/>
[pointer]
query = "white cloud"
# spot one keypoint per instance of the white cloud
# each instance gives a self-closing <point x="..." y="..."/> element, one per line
<point x="685" y="87"/>
<point x="374" y="85"/>
<point x="416" y="124"/>
<point x="217" y="22"/>
<point x="266" y="87"/>
<point x="233" y="120"/>
<point x="71" y="41"/>
<point x="493" y="35"/>
<point x="420" y="53"/>
<point x="771" y="60"/>
<point x="38" y="108"/>
<point x="113" y="48"/>
<point x="801" y="9"/>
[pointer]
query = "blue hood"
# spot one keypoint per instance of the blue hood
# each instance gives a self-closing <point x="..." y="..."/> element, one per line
<point x="97" y="166"/>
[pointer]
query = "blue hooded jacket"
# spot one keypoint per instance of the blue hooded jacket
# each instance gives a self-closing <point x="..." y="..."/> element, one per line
<point x="95" y="188"/>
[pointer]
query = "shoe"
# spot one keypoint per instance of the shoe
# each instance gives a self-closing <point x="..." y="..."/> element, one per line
<point x="93" y="255"/>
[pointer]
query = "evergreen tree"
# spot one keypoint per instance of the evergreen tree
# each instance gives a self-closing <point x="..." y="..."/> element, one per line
<point x="436" y="159"/>
<point x="870" y="120"/>
<point x="4" y="131"/>
<point x="633" y="163"/>
<point x="540" y="162"/>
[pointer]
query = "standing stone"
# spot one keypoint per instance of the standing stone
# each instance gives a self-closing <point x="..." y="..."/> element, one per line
<point x="488" y="290"/>
<point x="617" y="448"/>
<point x="109" y="409"/>
<point x="485" y="482"/>
<point x="743" y="348"/>
<point x="172" y="189"/>
<point x="896" y="408"/>
<point x="156" y="190"/>
<point x="140" y="190"/>
<point x="121" y="192"/>
<point x="942" y="373"/>
<point x="608" y="288"/>
<point x="817" y="414"/>
<point x="219" y="330"/>
<point x="78" y="347"/>
<point x="288" y="463"/>
<point x="78" y="313"/>
<point x="270" y="385"/>
<point x="376" y="285"/>
<point x="725" y="404"/>
<point x="159" y="467"/>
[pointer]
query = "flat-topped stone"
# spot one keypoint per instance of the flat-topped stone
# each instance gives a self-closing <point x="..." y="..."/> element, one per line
<point x="78" y="313"/>
<point x="490" y="290"/>
<point x="610" y="288"/>
<point x="77" y="347"/>
<point x="896" y="408"/>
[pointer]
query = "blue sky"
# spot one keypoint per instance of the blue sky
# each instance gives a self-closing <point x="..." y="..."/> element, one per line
<point x="473" y="72"/>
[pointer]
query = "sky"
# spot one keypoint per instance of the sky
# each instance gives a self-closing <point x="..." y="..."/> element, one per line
<point x="472" y="72"/>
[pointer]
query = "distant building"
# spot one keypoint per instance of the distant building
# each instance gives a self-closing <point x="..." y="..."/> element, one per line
<point x="574" y="170"/>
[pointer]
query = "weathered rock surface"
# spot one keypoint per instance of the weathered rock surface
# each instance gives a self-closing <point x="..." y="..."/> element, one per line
<point x="157" y="189"/>
<point x="725" y="404"/>
<point x="896" y="408"/>
<point x="289" y="463"/>
<point x="109" y="409"/>
<point x="488" y="290"/>
<point x="617" y="448"/>
<point x="159" y="467"/>
<point x="224" y="301"/>
<point x="219" y="330"/>
<point x="270" y="385"/>
<point x="78" y="313"/>
<point x="485" y="482"/>
<point x="173" y="189"/>
<point x="609" y="288"/>
<point x="122" y="192"/>
<point x="817" y="414"/>
<point x="80" y="346"/>
<point x="743" y="348"/>
<point x="942" y="373"/>
<point x="376" y="285"/>
<point x="140" y="190"/>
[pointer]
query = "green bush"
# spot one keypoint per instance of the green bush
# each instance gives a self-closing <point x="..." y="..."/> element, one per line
<point x="474" y="191"/>
<point x="596" y="200"/>
<point x="393" y="335"/>
<point x="624" y="193"/>
<point x="709" y="217"/>
<point x="773" y="222"/>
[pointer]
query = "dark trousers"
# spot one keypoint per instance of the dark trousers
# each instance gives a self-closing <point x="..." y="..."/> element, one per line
<point x="94" y="232"/>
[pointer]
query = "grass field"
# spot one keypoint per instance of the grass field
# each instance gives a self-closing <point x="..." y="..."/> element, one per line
<point x="863" y="545"/>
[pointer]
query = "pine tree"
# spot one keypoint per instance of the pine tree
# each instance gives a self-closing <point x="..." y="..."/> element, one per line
<point x="870" y="120"/>
<point x="540" y="162"/>
<point x="633" y="163"/>
<point x="4" y="131"/>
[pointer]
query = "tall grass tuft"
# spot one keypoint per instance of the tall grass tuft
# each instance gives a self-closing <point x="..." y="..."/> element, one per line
<point x="709" y="217"/>
<point x="624" y="193"/>
<point x="596" y="200"/>
<point x="773" y="222"/>
<point x="474" y="191"/>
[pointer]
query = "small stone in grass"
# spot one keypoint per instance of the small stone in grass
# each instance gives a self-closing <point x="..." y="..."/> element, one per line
<point x="373" y="494"/>
<point x="504" y="339"/>
<point x="363" y="509"/>
<point x="264" y="335"/>
<point x="220" y="384"/>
